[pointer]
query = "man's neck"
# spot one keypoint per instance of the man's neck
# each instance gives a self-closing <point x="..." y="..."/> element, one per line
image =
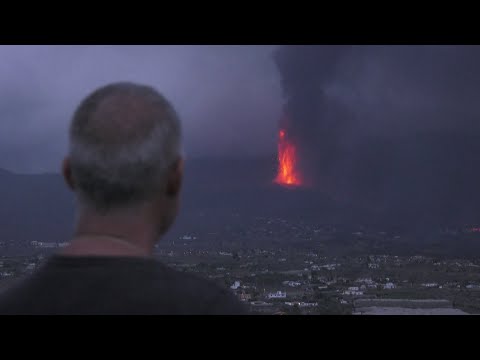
<point x="116" y="234"/>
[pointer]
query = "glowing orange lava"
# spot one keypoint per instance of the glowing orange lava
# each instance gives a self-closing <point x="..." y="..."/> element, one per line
<point x="287" y="162"/>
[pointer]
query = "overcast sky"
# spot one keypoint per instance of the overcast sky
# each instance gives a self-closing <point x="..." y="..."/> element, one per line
<point x="229" y="97"/>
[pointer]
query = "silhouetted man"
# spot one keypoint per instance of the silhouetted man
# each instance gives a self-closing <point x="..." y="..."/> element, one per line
<point x="125" y="168"/>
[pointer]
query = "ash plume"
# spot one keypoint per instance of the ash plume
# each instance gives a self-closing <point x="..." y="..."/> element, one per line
<point x="395" y="129"/>
<point x="310" y="116"/>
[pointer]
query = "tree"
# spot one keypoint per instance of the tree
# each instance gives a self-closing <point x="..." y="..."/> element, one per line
<point x="295" y="310"/>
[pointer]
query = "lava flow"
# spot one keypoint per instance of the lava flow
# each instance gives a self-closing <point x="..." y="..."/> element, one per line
<point x="288" y="174"/>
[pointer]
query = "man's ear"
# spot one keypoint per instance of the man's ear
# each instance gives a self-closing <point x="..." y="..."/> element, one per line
<point x="175" y="177"/>
<point x="67" y="173"/>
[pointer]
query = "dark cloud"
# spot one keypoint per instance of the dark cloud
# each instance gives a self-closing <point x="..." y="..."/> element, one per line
<point x="395" y="128"/>
<point x="225" y="95"/>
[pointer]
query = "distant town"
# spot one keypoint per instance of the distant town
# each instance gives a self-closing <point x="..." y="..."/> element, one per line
<point x="311" y="276"/>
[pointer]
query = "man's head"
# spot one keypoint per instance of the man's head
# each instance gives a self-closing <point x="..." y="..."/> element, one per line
<point x="125" y="152"/>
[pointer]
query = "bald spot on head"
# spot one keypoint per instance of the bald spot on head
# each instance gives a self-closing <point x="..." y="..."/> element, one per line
<point x="120" y="115"/>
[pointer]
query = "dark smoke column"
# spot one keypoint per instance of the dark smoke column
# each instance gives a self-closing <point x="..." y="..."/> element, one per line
<point x="313" y="122"/>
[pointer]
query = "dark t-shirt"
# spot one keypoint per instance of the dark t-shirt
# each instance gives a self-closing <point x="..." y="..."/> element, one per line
<point x="115" y="285"/>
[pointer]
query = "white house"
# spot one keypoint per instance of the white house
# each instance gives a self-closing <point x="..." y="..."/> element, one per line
<point x="366" y="281"/>
<point x="430" y="285"/>
<point x="306" y="304"/>
<point x="389" y="286"/>
<point x="353" y="292"/>
<point x="277" y="295"/>
<point x="473" y="286"/>
<point x="44" y="244"/>
<point x="235" y="285"/>
<point x="330" y="266"/>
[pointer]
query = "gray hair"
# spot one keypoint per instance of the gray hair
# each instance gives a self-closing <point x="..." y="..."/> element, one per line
<point x="124" y="138"/>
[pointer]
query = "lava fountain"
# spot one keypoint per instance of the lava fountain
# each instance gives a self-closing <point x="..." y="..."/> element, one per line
<point x="288" y="174"/>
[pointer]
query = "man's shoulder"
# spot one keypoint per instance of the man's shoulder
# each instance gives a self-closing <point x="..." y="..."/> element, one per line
<point x="211" y="297"/>
<point x="127" y="285"/>
<point x="161" y="284"/>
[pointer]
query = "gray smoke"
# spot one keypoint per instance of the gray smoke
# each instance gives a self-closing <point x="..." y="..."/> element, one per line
<point x="393" y="128"/>
<point x="312" y="119"/>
